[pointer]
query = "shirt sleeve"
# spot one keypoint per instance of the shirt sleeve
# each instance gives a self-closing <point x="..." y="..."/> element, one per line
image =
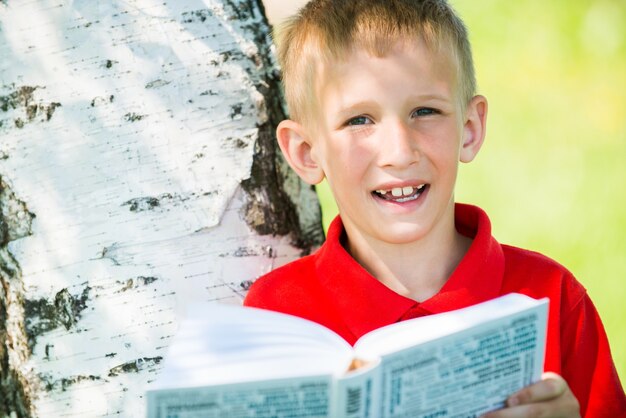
<point x="587" y="364"/>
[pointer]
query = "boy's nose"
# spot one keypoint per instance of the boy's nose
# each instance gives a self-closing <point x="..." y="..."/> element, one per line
<point x="399" y="147"/>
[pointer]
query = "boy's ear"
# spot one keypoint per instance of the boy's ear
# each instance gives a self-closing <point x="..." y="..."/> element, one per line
<point x="474" y="128"/>
<point x="297" y="148"/>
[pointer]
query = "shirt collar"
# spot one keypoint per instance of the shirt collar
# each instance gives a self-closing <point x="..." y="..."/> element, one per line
<point x="366" y="304"/>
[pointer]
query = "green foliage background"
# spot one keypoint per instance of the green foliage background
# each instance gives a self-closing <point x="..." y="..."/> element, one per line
<point x="551" y="174"/>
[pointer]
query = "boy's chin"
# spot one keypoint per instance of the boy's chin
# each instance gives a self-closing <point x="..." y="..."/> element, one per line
<point x="406" y="239"/>
<point x="403" y="233"/>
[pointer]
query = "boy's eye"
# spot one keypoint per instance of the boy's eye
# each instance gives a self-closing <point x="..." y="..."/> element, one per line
<point x="359" y="120"/>
<point x="425" y="111"/>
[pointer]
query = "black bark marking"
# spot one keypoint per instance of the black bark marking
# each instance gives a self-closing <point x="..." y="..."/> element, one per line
<point x="147" y="280"/>
<point x="68" y="381"/>
<point x="148" y="203"/>
<point x="15" y="218"/>
<point x="133" y="117"/>
<point x="246" y="284"/>
<point x="142" y="204"/>
<point x="15" y="389"/>
<point x="245" y="252"/>
<point x="236" y="111"/>
<point x="240" y="11"/>
<point x="31" y="111"/>
<point x="196" y="16"/>
<point x="136" y="282"/>
<point x="157" y="83"/>
<point x="97" y="101"/>
<point x="48" y="349"/>
<point x="49" y="384"/>
<point x="270" y="209"/>
<point x="49" y="110"/>
<point x="107" y="252"/>
<point x="22" y="98"/>
<point x="43" y="315"/>
<point x="135" y="366"/>
<point x="128" y="285"/>
<point x="226" y="56"/>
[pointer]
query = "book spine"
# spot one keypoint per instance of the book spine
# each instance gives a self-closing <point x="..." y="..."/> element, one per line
<point x="358" y="394"/>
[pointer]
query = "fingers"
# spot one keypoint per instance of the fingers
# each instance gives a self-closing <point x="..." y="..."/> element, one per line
<point x="535" y="411"/>
<point x="550" y="386"/>
<point x="549" y="398"/>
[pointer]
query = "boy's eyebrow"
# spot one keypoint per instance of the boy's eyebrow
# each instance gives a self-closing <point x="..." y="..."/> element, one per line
<point x="434" y="96"/>
<point x="418" y="98"/>
<point x="349" y="110"/>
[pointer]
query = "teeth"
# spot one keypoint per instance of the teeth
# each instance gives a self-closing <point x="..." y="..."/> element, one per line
<point x="401" y="191"/>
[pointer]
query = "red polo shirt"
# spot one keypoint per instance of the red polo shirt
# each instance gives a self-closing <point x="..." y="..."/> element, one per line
<point x="331" y="288"/>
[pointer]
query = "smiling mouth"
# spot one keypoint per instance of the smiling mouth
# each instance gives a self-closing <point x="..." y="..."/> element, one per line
<point x="401" y="194"/>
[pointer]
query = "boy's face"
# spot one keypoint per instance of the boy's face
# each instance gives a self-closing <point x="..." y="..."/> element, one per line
<point x="388" y="138"/>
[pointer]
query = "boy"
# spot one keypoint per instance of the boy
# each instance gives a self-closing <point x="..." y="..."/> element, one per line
<point x="383" y="105"/>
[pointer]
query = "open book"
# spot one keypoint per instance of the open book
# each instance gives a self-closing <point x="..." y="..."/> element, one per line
<point x="238" y="362"/>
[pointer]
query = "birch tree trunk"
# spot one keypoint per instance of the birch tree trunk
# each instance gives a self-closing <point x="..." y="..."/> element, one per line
<point x="138" y="175"/>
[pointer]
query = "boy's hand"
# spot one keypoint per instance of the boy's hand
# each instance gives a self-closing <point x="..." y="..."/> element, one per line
<point x="551" y="397"/>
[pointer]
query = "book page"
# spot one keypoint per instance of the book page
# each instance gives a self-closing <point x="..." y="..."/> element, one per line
<point x="469" y="372"/>
<point x="223" y="344"/>
<point x="237" y="362"/>
<point x="287" y="398"/>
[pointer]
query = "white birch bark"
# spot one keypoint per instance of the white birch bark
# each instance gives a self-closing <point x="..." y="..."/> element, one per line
<point x="138" y="175"/>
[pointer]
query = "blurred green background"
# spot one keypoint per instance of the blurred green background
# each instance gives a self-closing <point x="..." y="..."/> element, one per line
<point x="551" y="174"/>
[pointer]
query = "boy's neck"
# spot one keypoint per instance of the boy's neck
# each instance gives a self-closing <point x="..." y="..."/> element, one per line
<point x="416" y="270"/>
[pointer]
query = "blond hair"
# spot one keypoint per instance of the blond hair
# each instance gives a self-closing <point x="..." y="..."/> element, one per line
<point x="324" y="30"/>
